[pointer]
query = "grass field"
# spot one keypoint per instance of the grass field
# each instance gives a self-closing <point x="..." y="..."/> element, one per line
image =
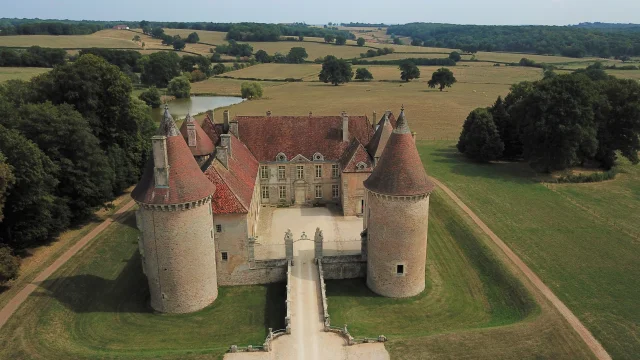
<point x="581" y="239"/>
<point x="278" y="71"/>
<point x="96" y="306"/>
<point x="20" y="73"/>
<point x="210" y="37"/>
<point x="467" y="288"/>
<point x="70" y="41"/>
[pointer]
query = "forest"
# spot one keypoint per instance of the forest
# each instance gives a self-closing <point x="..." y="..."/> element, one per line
<point x="568" y="41"/>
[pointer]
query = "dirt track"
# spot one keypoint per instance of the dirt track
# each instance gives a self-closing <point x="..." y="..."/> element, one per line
<point x="16" y="301"/>
<point x="575" y="323"/>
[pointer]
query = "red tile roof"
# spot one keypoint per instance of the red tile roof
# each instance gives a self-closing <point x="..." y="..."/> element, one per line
<point x="186" y="181"/>
<point x="354" y="155"/>
<point x="267" y="136"/>
<point x="400" y="171"/>
<point x="235" y="185"/>
<point x="204" y="145"/>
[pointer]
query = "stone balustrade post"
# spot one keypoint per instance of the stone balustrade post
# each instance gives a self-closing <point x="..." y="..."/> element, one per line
<point x="318" y="242"/>
<point x="288" y="243"/>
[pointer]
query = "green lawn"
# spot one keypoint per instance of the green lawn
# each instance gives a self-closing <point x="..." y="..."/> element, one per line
<point x="472" y="304"/>
<point x="96" y="306"/>
<point x="565" y="233"/>
<point x="20" y="73"/>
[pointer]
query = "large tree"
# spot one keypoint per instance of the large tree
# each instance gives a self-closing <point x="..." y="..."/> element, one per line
<point x="193" y="38"/>
<point x="179" y="87"/>
<point x="442" y="78"/>
<point x="341" y="40"/>
<point x="262" y="56"/>
<point x="159" y="68"/>
<point x="508" y="130"/>
<point x="6" y="181"/>
<point x="409" y="71"/>
<point x="329" y="38"/>
<point x="335" y="71"/>
<point x="479" y="139"/>
<point x="360" y="41"/>
<point x="297" y="55"/>
<point x="363" y="74"/>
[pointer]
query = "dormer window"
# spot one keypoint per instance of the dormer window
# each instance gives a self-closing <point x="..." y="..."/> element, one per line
<point x="281" y="157"/>
<point x="318" y="157"/>
<point x="361" y="166"/>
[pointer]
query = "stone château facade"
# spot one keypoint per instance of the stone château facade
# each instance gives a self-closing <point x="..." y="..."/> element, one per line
<point x="201" y="194"/>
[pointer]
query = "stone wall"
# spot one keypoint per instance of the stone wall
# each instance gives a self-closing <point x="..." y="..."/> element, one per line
<point x="178" y="256"/>
<point x="263" y="272"/>
<point x="344" y="267"/>
<point x="233" y="240"/>
<point x="352" y="192"/>
<point x="397" y="235"/>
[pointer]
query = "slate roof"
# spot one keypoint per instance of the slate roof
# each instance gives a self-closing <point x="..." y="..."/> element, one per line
<point x="400" y="171"/>
<point x="380" y="137"/>
<point x="204" y="145"/>
<point x="211" y="129"/>
<point x="235" y="185"/>
<point x="267" y="136"/>
<point x="187" y="183"/>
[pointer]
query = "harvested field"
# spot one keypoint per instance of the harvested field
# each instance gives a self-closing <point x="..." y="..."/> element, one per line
<point x="20" y="73"/>
<point x="278" y="71"/>
<point x="68" y="41"/>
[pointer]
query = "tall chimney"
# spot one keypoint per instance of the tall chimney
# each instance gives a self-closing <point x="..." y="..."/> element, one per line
<point x="268" y="112"/>
<point x="310" y="114"/>
<point x="225" y="118"/>
<point x="191" y="134"/>
<point x="225" y="141"/>
<point x="160" y="161"/>
<point x="222" y="155"/>
<point x="375" y="118"/>
<point x="345" y="126"/>
<point x="210" y="113"/>
<point x="413" y="136"/>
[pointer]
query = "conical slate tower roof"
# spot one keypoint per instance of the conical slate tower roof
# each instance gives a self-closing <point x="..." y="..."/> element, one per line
<point x="187" y="183"/>
<point x="400" y="171"/>
<point x="380" y="138"/>
<point x="203" y="146"/>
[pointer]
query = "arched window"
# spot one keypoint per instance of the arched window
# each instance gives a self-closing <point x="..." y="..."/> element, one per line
<point x="281" y="157"/>
<point x="318" y="157"/>
<point x="361" y="166"/>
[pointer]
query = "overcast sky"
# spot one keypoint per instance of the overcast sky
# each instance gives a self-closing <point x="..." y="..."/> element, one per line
<point x="545" y="12"/>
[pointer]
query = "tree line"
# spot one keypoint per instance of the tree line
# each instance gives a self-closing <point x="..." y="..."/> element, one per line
<point x="559" y="122"/>
<point x="547" y="40"/>
<point x="70" y="140"/>
<point x="9" y="27"/>
<point x="34" y="56"/>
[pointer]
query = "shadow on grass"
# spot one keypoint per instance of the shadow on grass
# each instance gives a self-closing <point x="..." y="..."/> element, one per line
<point x="128" y="219"/>
<point x="88" y="293"/>
<point x="275" y="308"/>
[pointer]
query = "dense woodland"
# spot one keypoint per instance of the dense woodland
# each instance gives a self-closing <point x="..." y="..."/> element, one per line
<point x="70" y="140"/>
<point x="26" y="27"/>
<point x="553" y="40"/>
<point x="34" y="56"/>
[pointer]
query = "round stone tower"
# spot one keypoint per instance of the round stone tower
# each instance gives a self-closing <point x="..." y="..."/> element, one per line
<point x="174" y="216"/>
<point x="397" y="217"/>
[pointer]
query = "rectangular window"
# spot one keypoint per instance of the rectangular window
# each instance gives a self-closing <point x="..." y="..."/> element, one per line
<point x="224" y="255"/>
<point x="283" y="192"/>
<point x="265" y="192"/>
<point x="400" y="269"/>
<point x="264" y="172"/>
<point x="281" y="173"/>
<point x="335" y="190"/>
<point x="318" y="191"/>
<point x="335" y="173"/>
<point x="318" y="171"/>
<point x="218" y="228"/>
<point x="300" y="171"/>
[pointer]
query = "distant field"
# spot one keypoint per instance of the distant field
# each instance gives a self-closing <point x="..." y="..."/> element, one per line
<point x="278" y="71"/>
<point x="68" y="41"/>
<point x="625" y="74"/>
<point x="20" y="73"/>
<point x="581" y="239"/>
<point x="221" y="86"/>
<point x="514" y="58"/>
<point x="464" y="74"/>
<point x="211" y="37"/>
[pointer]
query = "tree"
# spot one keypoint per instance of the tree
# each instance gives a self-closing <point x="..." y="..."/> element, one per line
<point x="398" y="41"/>
<point x="416" y="42"/>
<point x="335" y="71"/>
<point x="300" y="38"/>
<point x="363" y="74"/>
<point x="136" y="38"/>
<point x="442" y="78"/>
<point x="479" y="139"/>
<point x="455" y="56"/>
<point x="157" y="32"/>
<point x="251" y="90"/>
<point x="197" y="75"/>
<point x="179" y="45"/>
<point x="262" y="57"/>
<point x="329" y="38"/>
<point x="6" y="181"/>
<point x="409" y="71"/>
<point x="144" y="24"/>
<point x="9" y="265"/>
<point x="341" y="40"/>
<point x="218" y="69"/>
<point x="297" y="55"/>
<point x="193" y="38"/>
<point x="151" y="97"/>
<point x="360" y="41"/>
<point x="507" y="129"/>
<point x="159" y="68"/>
<point x="179" y="87"/>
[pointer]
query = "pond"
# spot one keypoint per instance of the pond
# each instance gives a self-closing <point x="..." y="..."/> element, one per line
<point x="195" y="105"/>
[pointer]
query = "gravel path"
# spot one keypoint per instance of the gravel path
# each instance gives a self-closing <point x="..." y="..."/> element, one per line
<point x="16" y="301"/>
<point x="575" y="323"/>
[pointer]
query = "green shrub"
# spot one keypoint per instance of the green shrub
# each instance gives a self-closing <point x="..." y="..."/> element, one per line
<point x="151" y="97"/>
<point x="9" y="265"/>
<point x="197" y="75"/>
<point x="251" y="90"/>
<point x="588" y="178"/>
<point x="179" y="87"/>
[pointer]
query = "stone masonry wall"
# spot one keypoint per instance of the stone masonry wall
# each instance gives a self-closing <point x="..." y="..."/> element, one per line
<point x="344" y="267"/>
<point x="353" y="192"/>
<point x="397" y="235"/>
<point x="178" y="255"/>
<point x="232" y="240"/>
<point x="263" y="272"/>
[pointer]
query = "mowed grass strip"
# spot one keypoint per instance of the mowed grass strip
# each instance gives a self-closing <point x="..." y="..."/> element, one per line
<point x="20" y="73"/>
<point x="587" y="262"/>
<point x="96" y="306"/>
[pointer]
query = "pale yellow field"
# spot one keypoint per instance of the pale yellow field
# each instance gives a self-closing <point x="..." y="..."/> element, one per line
<point x="20" y="73"/>
<point x="505" y="75"/>
<point x="315" y="50"/>
<point x="211" y="37"/>
<point x="222" y="86"/>
<point x="278" y="71"/>
<point x="511" y="57"/>
<point x="625" y="74"/>
<point x="68" y="41"/>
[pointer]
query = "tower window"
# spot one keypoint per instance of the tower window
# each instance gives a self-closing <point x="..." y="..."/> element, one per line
<point x="224" y="255"/>
<point x="400" y="269"/>
<point x="218" y="228"/>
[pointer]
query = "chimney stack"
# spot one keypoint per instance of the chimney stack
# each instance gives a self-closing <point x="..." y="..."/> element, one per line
<point x="225" y="124"/>
<point x="375" y="118"/>
<point x="222" y="155"/>
<point x="160" y="161"/>
<point x="268" y="112"/>
<point x="413" y="136"/>
<point x="310" y="114"/>
<point x="210" y="114"/>
<point x="345" y="126"/>
<point x="225" y="141"/>
<point x="191" y="134"/>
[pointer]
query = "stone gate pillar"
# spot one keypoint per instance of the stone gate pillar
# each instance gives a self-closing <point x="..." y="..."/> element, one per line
<point x="363" y="244"/>
<point x="288" y="245"/>
<point x="251" y="249"/>
<point x="317" y="240"/>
